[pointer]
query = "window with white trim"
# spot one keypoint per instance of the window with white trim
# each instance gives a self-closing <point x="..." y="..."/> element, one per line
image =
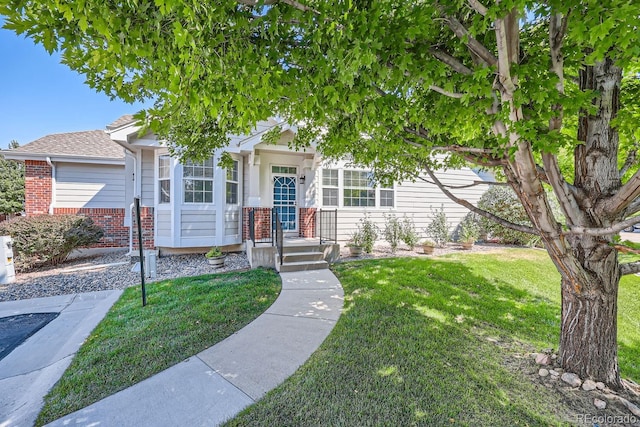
<point x="386" y="196"/>
<point x="197" y="181"/>
<point x="164" y="179"/>
<point x="330" y="187"/>
<point x="232" y="184"/>
<point x="358" y="189"/>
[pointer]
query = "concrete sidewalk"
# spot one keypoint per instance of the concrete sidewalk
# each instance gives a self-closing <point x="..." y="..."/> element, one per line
<point x="216" y="384"/>
<point x="32" y="368"/>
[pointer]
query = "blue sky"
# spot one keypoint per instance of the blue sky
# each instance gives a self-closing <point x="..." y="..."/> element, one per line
<point x="40" y="96"/>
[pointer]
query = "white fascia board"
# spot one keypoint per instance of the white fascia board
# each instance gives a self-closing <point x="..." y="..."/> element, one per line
<point x="65" y="159"/>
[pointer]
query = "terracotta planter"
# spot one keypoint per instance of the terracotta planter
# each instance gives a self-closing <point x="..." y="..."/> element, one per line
<point x="217" y="262"/>
<point x="355" y="250"/>
<point x="467" y="245"/>
<point x="427" y="249"/>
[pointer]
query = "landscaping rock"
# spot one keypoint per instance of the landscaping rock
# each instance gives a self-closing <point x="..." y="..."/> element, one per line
<point x="600" y="385"/>
<point x="543" y="372"/>
<point x="589" y="385"/>
<point x="543" y="359"/>
<point x="600" y="404"/>
<point x="572" y="379"/>
<point x="554" y="373"/>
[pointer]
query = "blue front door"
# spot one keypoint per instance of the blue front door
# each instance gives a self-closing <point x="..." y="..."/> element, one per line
<point x="284" y="201"/>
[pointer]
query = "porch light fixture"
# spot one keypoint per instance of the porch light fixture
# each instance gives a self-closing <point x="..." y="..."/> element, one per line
<point x="302" y="178"/>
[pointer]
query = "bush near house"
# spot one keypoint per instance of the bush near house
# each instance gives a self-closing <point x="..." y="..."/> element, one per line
<point x="44" y="240"/>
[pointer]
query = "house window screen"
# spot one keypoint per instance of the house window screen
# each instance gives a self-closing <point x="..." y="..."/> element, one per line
<point x="330" y="187"/>
<point x="232" y="184"/>
<point x="198" y="181"/>
<point x="359" y="189"/>
<point x="164" y="179"/>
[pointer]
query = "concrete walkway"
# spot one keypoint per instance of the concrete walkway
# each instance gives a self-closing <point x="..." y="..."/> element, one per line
<point x="31" y="369"/>
<point x="216" y="384"/>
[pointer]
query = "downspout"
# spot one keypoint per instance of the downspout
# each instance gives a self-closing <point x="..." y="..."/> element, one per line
<point x="53" y="185"/>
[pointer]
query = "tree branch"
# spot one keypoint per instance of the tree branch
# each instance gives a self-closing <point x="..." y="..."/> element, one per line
<point x="446" y="92"/>
<point x="473" y="184"/>
<point x="292" y="3"/>
<point x="472" y="208"/>
<point x="474" y="45"/>
<point x="627" y="194"/>
<point x="561" y="188"/>
<point x="452" y="62"/>
<point x="478" y="7"/>
<point x="630" y="268"/>
<point x="604" y="231"/>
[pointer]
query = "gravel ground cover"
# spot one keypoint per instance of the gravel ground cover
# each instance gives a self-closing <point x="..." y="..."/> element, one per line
<point x="110" y="271"/>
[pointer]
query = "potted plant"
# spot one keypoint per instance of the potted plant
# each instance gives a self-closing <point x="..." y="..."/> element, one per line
<point x="428" y="246"/>
<point x="469" y="233"/>
<point x="355" y="244"/>
<point x="215" y="257"/>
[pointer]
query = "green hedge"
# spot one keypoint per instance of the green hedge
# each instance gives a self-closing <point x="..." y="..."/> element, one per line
<point x="44" y="240"/>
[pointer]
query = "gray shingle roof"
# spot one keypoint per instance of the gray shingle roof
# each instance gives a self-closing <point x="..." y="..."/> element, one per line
<point x="92" y="143"/>
<point x="121" y="121"/>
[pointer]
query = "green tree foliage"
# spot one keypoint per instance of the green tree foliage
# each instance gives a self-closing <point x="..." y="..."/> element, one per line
<point x="507" y="85"/>
<point x="11" y="184"/>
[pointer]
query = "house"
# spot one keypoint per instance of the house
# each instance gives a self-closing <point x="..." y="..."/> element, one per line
<point x="195" y="205"/>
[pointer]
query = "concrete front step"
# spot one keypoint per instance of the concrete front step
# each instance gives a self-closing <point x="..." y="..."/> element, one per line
<point x="301" y="248"/>
<point x="302" y="266"/>
<point x="303" y="256"/>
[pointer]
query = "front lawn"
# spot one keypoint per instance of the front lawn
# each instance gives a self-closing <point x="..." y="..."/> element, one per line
<point x="440" y="341"/>
<point x="182" y="317"/>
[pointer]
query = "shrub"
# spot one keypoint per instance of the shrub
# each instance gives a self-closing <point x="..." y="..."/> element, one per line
<point x="409" y="234"/>
<point x="469" y="229"/>
<point x="392" y="231"/>
<point x="438" y="229"/>
<point x="503" y="202"/>
<point x="48" y="239"/>
<point x="368" y="233"/>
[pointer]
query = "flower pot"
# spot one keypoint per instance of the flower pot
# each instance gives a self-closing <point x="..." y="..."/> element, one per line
<point x="467" y="245"/>
<point x="217" y="262"/>
<point x="355" y="250"/>
<point x="427" y="249"/>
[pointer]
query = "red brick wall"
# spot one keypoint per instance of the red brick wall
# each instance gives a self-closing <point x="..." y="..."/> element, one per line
<point x="116" y="235"/>
<point x="37" y="187"/>
<point x="307" y="222"/>
<point x="263" y="223"/>
<point x="146" y="218"/>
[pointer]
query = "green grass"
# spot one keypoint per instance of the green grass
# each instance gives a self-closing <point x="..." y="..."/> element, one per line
<point x="182" y="317"/>
<point x="417" y="345"/>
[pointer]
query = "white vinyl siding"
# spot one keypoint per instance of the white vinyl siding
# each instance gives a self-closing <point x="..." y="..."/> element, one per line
<point x="198" y="223"/>
<point x="164" y="223"/>
<point x="148" y="178"/>
<point x="232" y="222"/>
<point x="89" y="186"/>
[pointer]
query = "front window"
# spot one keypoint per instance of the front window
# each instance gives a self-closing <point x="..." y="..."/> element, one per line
<point x="198" y="181"/>
<point x="359" y="189"/>
<point x="232" y="184"/>
<point x="386" y="196"/>
<point x="330" y="187"/>
<point x="164" y="179"/>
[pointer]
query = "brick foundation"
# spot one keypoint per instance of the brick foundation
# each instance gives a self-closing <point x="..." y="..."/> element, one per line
<point x="307" y="222"/>
<point x="37" y="187"/>
<point x="146" y="217"/>
<point x="262" y="223"/>
<point x="116" y="235"/>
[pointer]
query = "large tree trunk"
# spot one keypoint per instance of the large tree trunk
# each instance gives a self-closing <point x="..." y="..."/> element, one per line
<point x="588" y="335"/>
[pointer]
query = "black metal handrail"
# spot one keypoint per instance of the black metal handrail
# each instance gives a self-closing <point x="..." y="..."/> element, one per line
<point x="253" y="232"/>
<point x="252" y="226"/>
<point x="279" y="234"/>
<point x="328" y="225"/>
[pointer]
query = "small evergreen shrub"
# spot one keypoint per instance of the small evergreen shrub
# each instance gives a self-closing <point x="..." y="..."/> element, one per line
<point x="438" y="229"/>
<point x="393" y="231"/>
<point x="469" y="229"/>
<point x="410" y="236"/>
<point x="43" y="240"/>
